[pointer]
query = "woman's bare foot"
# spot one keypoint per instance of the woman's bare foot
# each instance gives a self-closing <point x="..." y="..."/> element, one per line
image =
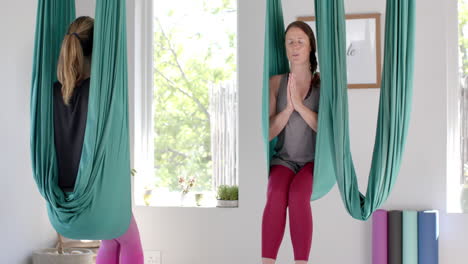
<point x="268" y="261"/>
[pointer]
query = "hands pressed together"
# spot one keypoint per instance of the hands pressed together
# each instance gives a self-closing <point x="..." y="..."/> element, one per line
<point x="294" y="99"/>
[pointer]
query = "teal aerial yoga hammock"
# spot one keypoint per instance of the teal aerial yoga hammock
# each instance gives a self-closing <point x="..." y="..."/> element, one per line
<point x="333" y="161"/>
<point x="100" y="205"/>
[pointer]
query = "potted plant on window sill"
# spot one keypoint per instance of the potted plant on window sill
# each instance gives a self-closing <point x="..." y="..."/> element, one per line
<point x="148" y="193"/>
<point x="228" y="196"/>
<point x="186" y="184"/>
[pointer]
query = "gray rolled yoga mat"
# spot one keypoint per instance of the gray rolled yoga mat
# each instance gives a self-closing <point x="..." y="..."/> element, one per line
<point x="394" y="237"/>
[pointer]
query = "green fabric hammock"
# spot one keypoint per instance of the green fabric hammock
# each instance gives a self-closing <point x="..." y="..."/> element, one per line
<point x="333" y="161"/>
<point x="100" y="205"/>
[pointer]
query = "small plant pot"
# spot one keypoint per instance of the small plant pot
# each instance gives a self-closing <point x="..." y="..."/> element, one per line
<point x="228" y="203"/>
<point x="147" y="197"/>
<point x="464" y="198"/>
<point x="69" y="256"/>
<point x="199" y="198"/>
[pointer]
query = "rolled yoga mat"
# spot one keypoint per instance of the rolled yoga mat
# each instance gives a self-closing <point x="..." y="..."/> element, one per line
<point x="410" y="237"/>
<point x="394" y="237"/>
<point x="428" y="237"/>
<point x="379" y="237"/>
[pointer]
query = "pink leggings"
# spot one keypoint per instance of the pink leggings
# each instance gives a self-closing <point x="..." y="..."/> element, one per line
<point x="287" y="189"/>
<point x="126" y="247"/>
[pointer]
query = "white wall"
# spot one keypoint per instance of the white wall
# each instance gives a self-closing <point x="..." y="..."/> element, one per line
<point x="23" y="216"/>
<point x="189" y="235"/>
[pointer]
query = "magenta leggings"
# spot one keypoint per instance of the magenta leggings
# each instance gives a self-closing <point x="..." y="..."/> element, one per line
<point x="288" y="190"/>
<point x="126" y="247"/>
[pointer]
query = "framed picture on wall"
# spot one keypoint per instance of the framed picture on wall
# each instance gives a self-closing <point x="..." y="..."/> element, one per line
<point x="363" y="50"/>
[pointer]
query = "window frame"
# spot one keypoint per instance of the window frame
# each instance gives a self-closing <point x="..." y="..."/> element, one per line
<point x="453" y="161"/>
<point x="143" y="87"/>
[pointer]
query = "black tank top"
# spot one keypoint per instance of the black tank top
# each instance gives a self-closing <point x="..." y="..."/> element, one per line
<point x="69" y="130"/>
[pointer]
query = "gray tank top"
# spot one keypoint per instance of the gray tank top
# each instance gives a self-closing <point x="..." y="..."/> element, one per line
<point x="296" y="142"/>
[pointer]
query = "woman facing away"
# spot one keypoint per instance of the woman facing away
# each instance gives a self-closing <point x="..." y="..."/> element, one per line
<point x="70" y="97"/>
<point x="294" y="102"/>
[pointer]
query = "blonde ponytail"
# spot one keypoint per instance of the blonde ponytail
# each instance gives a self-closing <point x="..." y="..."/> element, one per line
<point x="76" y="46"/>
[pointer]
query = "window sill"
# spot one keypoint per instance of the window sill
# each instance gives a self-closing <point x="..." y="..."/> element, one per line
<point x="164" y="199"/>
<point x="185" y="206"/>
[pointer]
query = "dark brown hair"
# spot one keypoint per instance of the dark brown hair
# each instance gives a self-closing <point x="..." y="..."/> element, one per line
<point x="76" y="45"/>
<point x="313" y="48"/>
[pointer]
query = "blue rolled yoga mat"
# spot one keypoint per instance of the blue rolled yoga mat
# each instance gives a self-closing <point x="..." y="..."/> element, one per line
<point x="428" y="237"/>
<point x="410" y="237"/>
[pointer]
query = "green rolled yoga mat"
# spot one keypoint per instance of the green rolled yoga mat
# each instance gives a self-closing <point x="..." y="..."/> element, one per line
<point x="410" y="237"/>
<point x="394" y="237"/>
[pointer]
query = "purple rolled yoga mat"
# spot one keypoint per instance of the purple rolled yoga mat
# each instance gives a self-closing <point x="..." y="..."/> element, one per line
<point x="379" y="237"/>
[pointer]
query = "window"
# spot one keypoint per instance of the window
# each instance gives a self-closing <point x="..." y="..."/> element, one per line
<point x="457" y="151"/>
<point x="186" y="101"/>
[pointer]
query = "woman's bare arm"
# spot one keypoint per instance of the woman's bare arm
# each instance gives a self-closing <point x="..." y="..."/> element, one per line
<point x="278" y="120"/>
<point x="309" y="116"/>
